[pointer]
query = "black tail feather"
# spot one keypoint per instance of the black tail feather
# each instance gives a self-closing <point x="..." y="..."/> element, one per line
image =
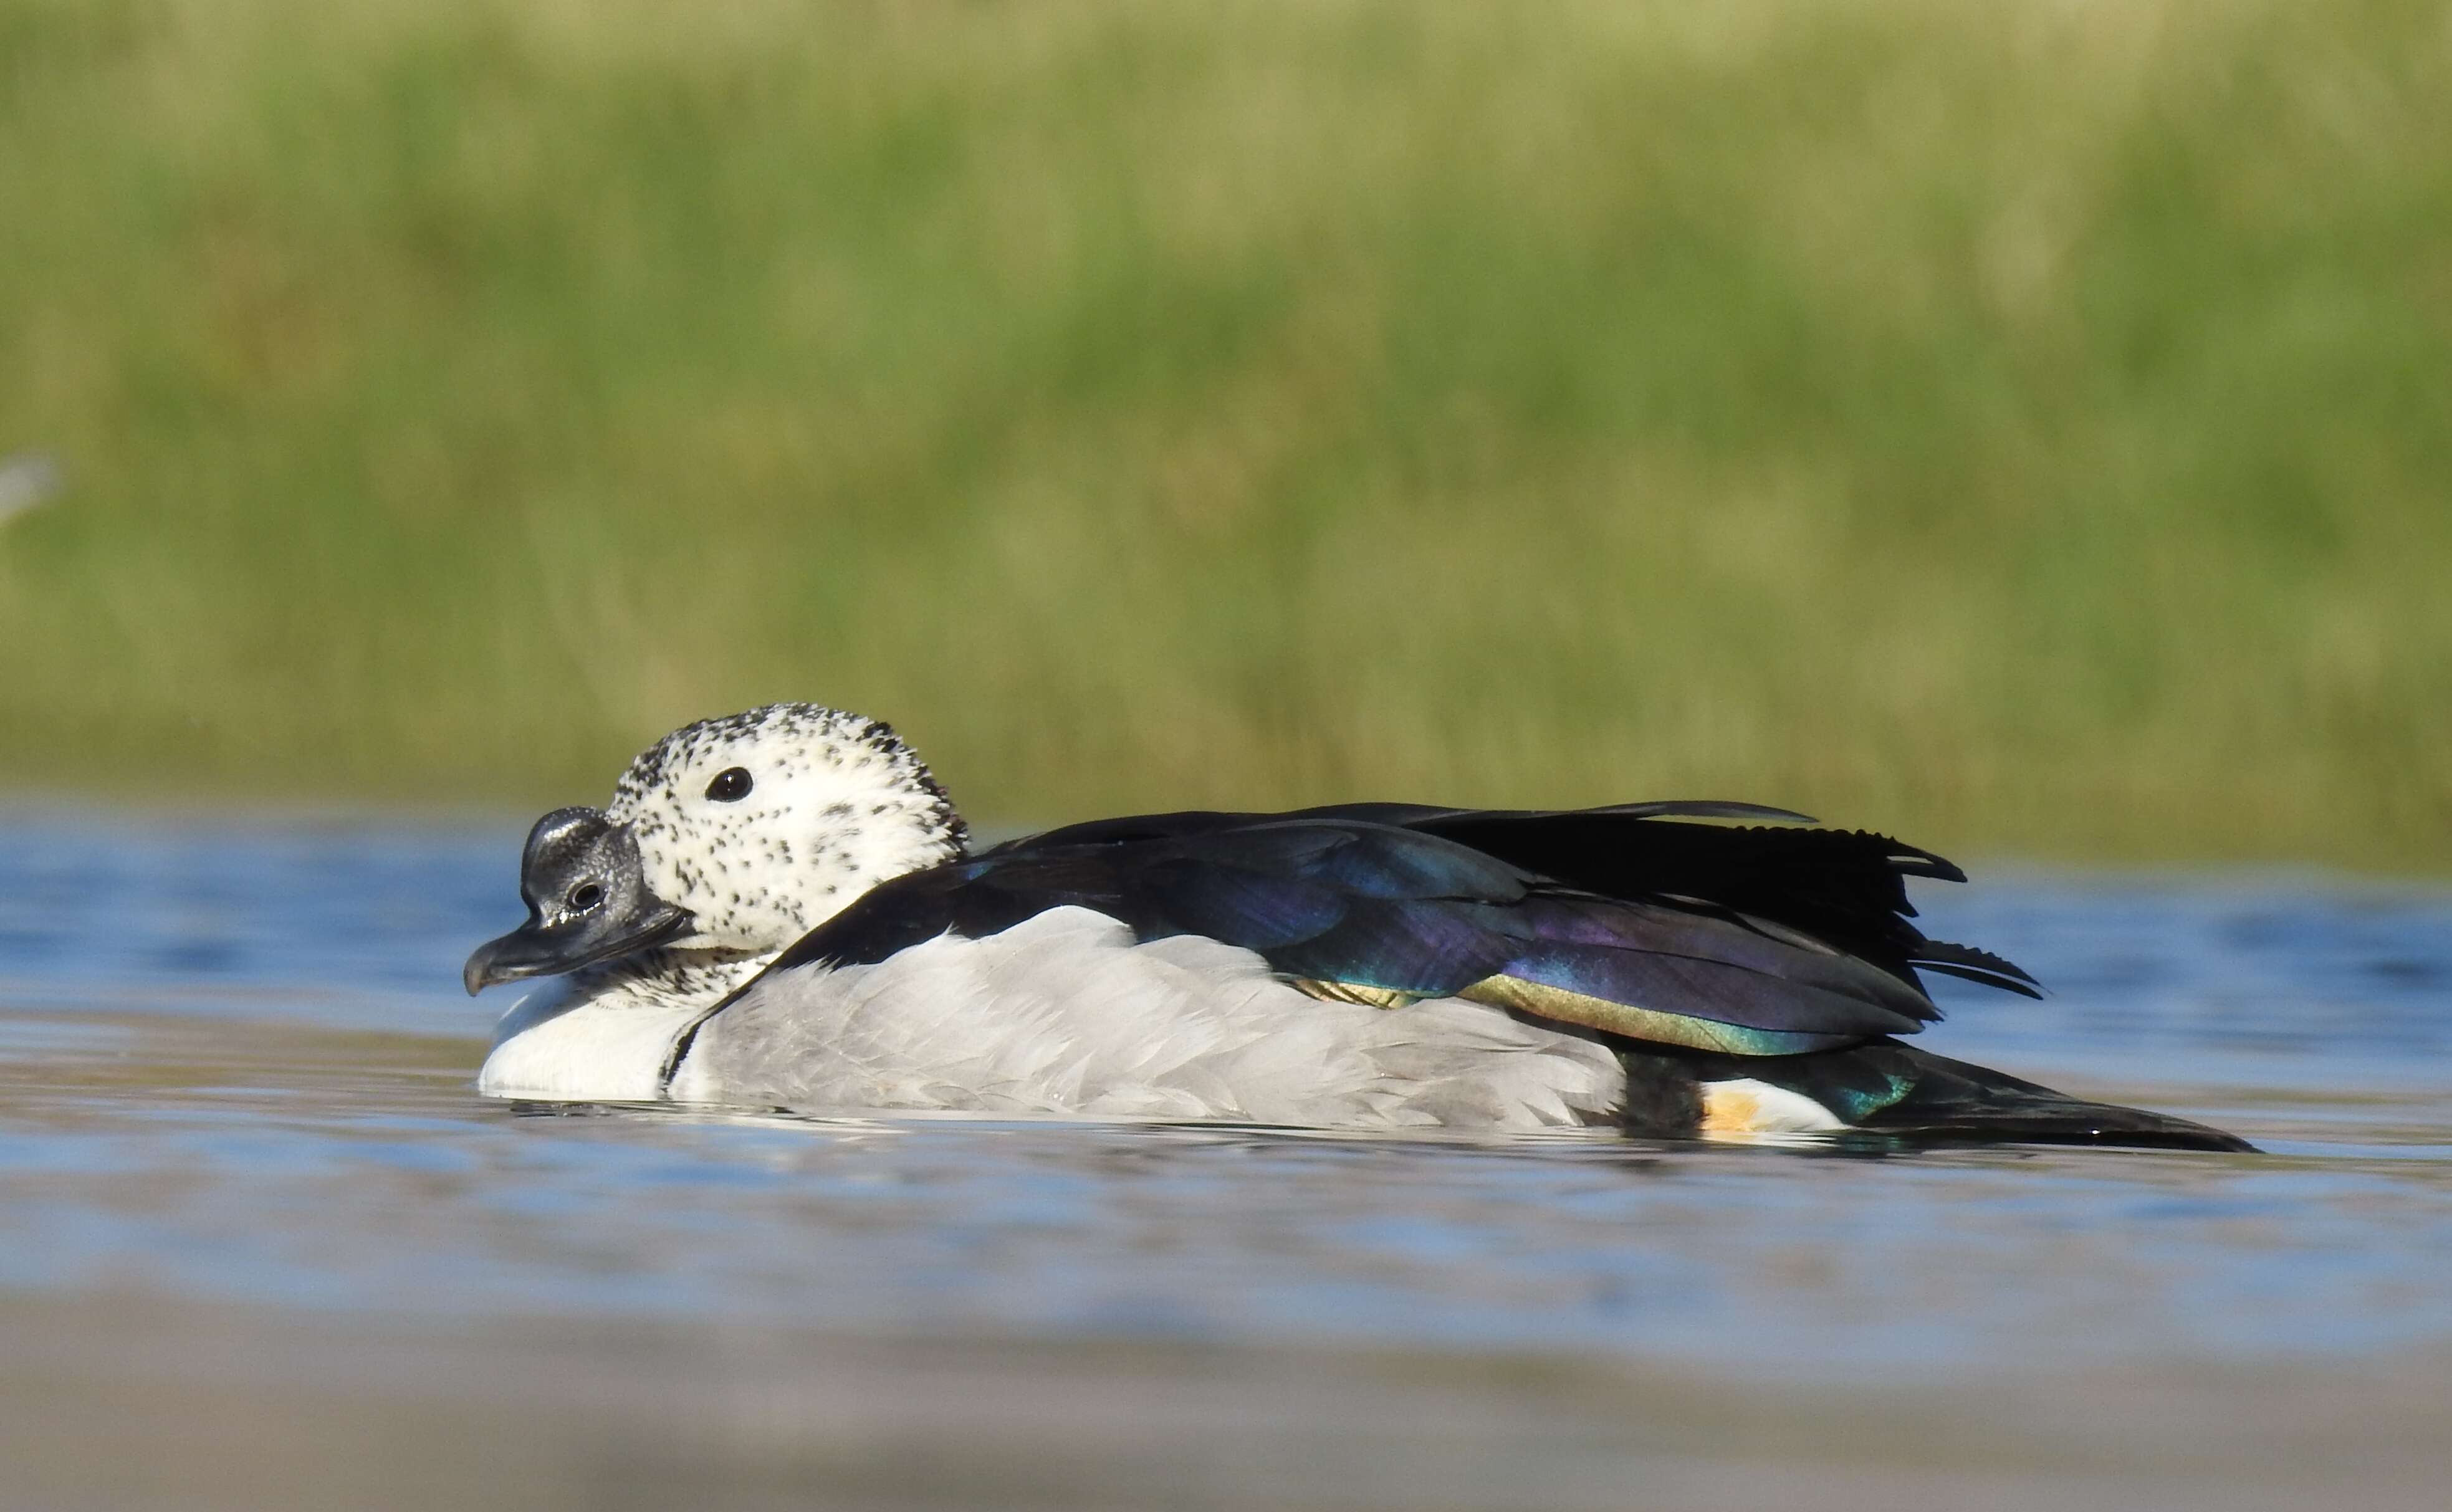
<point x="1953" y="1102"/>
<point x="1894" y="1089"/>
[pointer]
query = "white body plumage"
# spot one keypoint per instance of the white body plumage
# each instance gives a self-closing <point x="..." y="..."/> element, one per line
<point x="1065" y="1014"/>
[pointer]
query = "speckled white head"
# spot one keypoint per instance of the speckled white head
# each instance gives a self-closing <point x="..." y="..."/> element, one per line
<point x="765" y="824"/>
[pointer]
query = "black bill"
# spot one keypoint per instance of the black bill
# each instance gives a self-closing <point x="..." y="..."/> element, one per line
<point x="587" y="901"/>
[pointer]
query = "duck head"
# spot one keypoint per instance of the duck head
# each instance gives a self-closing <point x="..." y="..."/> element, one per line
<point x="725" y="842"/>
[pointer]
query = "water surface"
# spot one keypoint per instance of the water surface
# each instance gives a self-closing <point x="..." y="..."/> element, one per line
<point x="262" y="1244"/>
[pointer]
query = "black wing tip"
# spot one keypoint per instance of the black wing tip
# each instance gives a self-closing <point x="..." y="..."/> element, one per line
<point x="2022" y="986"/>
<point x="1903" y="859"/>
<point x="1968" y="963"/>
<point x="1908" y="860"/>
<point x="1914" y="860"/>
<point x="1702" y="809"/>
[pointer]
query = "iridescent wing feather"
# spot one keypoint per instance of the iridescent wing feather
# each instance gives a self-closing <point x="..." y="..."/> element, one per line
<point x="1636" y="921"/>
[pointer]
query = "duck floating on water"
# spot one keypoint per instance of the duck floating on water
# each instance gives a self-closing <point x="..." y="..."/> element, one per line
<point x="780" y="910"/>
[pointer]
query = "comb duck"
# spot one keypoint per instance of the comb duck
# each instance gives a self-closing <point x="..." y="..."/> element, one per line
<point x="780" y="910"/>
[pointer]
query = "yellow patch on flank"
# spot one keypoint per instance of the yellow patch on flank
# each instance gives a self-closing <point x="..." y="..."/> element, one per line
<point x="1745" y="1107"/>
<point x="1729" y="1109"/>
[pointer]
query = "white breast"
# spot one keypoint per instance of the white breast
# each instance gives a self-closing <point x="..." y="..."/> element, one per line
<point x="1066" y="1013"/>
<point x="557" y="1048"/>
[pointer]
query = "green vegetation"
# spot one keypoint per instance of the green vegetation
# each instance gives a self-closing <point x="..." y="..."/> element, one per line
<point x="2027" y="428"/>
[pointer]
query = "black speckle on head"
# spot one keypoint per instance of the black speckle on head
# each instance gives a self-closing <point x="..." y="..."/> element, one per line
<point x="823" y="734"/>
<point x="721" y="797"/>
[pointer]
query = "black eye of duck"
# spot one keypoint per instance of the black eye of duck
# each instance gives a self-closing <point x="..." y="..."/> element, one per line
<point x="731" y="785"/>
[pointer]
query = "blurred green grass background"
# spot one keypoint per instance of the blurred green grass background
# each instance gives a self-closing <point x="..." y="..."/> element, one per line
<point x="2026" y="427"/>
